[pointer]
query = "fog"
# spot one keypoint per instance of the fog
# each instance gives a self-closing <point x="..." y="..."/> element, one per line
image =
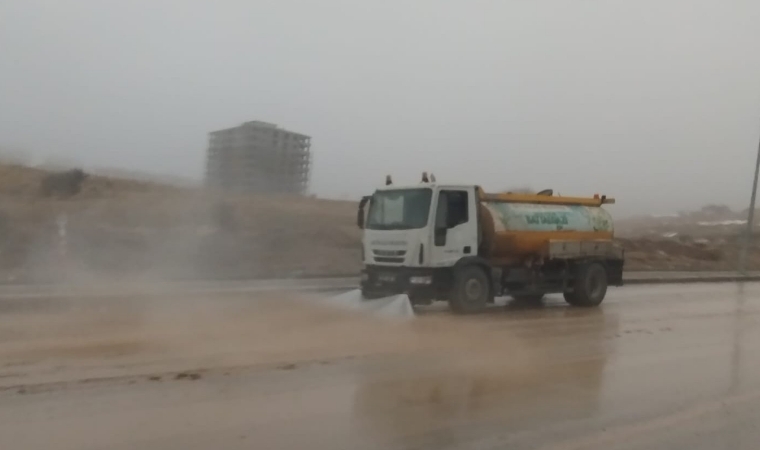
<point x="656" y="103"/>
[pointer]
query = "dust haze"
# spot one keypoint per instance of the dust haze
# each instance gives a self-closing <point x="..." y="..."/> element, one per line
<point x="125" y="230"/>
<point x="656" y="103"/>
<point x="62" y="339"/>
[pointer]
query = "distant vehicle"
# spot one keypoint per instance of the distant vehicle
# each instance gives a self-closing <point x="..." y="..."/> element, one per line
<point x="459" y="244"/>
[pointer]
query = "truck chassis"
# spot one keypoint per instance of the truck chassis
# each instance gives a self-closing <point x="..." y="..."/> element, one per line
<point x="581" y="270"/>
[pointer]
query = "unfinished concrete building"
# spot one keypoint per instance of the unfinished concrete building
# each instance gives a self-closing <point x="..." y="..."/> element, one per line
<point x="258" y="157"/>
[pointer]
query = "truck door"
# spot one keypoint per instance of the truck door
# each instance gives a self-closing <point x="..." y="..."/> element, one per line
<point x="455" y="231"/>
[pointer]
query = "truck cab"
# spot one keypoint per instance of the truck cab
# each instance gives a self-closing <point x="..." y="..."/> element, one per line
<point x="427" y="241"/>
<point x="414" y="235"/>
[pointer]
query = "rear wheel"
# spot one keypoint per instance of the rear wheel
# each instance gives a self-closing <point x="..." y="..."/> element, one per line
<point x="472" y="290"/>
<point x="590" y="286"/>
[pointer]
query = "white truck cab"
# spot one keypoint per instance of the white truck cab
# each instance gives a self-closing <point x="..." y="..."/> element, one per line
<point x="411" y="233"/>
<point x="421" y="226"/>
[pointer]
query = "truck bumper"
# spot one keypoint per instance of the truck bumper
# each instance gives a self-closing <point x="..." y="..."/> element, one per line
<point x="421" y="284"/>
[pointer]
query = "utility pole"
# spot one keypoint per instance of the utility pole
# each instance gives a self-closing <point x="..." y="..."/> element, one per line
<point x="750" y="219"/>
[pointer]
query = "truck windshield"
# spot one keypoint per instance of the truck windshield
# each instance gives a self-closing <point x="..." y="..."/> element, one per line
<point x="402" y="209"/>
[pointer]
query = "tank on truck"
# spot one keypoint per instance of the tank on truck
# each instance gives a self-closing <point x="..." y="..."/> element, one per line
<point x="546" y="199"/>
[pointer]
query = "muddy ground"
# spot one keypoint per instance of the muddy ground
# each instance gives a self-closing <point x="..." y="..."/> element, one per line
<point x="654" y="367"/>
<point x="46" y="340"/>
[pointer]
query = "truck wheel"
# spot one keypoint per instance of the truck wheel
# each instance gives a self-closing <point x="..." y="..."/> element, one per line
<point x="590" y="286"/>
<point x="571" y="298"/>
<point x="472" y="290"/>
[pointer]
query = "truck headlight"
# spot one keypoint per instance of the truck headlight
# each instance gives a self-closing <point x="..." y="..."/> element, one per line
<point x="421" y="280"/>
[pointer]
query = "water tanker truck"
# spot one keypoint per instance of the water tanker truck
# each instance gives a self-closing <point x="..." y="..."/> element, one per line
<point x="458" y="244"/>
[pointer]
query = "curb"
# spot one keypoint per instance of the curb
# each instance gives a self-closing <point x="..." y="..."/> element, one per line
<point x="693" y="279"/>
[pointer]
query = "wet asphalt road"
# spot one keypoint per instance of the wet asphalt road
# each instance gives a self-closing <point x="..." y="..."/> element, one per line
<point x="657" y="367"/>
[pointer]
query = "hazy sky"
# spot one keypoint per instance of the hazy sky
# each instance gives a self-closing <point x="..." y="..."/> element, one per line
<point x="656" y="102"/>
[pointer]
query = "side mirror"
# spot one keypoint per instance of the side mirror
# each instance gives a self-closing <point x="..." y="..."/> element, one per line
<point x="360" y="212"/>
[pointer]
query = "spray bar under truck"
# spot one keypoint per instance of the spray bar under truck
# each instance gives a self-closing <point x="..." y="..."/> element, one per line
<point x="458" y="244"/>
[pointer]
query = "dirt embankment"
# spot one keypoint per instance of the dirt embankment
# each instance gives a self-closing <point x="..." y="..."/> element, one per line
<point x="128" y="229"/>
<point x="707" y="239"/>
<point x="117" y="229"/>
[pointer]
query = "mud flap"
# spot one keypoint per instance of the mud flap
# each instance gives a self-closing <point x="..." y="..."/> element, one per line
<point x="397" y="306"/>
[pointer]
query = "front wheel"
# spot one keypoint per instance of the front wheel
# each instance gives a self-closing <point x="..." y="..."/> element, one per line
<point x="590" y="286"/>
<point x="472" y="290"/>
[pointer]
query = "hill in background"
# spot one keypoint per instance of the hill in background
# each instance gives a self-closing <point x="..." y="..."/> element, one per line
<point x="120" y="228"/>
<point x="126" y="229"/>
